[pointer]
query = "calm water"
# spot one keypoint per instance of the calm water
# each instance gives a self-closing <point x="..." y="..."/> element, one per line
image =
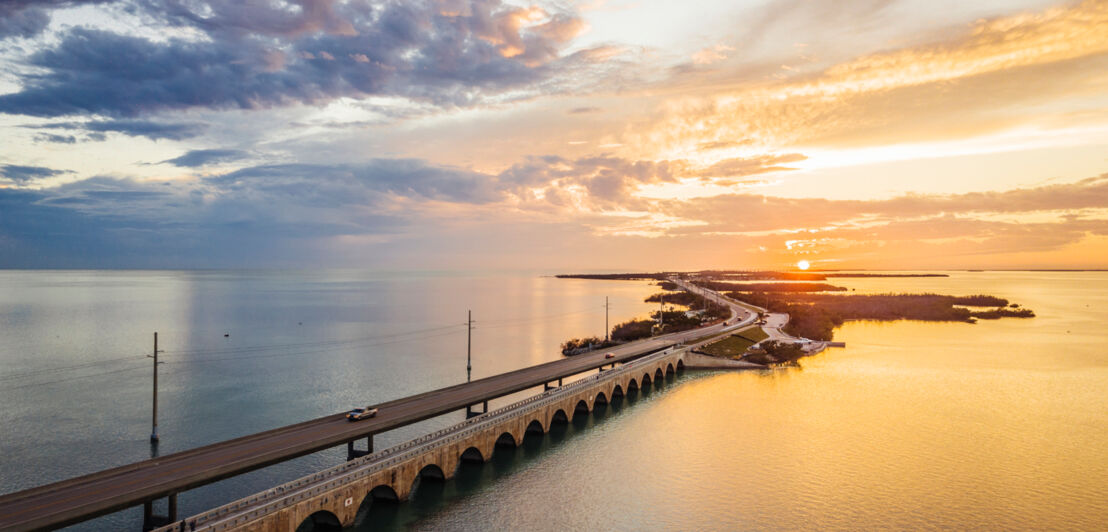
<point x="998" y="425"/>
<point x="75" y="383"/>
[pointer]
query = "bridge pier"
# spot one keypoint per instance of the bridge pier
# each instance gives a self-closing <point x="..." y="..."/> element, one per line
<point x="352" y="453"/>
<point x="470" y="412"/>
<point x="546" y="385"/>
<point x="150" y="521"/>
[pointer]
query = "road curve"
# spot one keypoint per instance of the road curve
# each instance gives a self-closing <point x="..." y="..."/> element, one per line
<point x="82" y="498"/>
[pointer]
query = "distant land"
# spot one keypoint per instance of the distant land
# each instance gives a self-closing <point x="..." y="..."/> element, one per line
<point x="739" y="275"/>
<point x="814" y="308"/>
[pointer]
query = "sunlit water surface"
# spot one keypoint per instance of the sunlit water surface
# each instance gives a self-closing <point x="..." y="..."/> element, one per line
<point x="996" y="425"/>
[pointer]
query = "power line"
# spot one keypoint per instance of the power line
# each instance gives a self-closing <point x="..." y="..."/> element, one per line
<point x="11" y="376"/>
<point x="519" y="321"/>
<point x="256" y="348"/>
<point x="312" y="352"/>
<point x="74" y="378"/>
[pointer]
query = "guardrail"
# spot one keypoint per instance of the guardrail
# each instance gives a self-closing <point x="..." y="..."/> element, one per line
<point x="247" y="509"/>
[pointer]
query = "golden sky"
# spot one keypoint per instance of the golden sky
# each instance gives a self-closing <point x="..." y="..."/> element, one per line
<point x="589" y="135"/>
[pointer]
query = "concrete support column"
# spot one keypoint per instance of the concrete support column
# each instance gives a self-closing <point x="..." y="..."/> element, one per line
<point x="352" y="453"/>
<point x="151" y="521"/>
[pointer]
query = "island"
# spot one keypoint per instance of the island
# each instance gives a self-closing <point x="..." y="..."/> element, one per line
<point x="796" y="314"/>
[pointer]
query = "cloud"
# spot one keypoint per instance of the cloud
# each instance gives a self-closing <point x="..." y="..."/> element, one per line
<point x="197" y="158"/>
<point x="132" y="128"/>
<point x="277" y="212"/>
<point x="584" y="110"/>
<point x="375" y="182"/>
<point x="747" y="166"/>
<point x="711" y="54"/>
<point x="24" y="174"/>
<point x="57" y="139"/>
<point x="999" y="74"/>
<point x="589" y="183"/>
<point x="258" y="56"/>
<point x="28" y="18"/>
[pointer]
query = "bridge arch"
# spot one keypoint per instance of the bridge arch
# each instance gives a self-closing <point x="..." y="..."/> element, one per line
<point x="617" y="391"/>
<point x="600" y="399"/>
<point x="321" y="521"/>
<point x="582" y="408"/>
<point x="432" y="471"/>
<point x="670" y="370"/>
<point x="471" y="454"/>
<point x="559" y="416"/>
<point x="658" y="374"/>
<point x="632" y="385"/>
<point x="646" y="380"/>
<point x="534" y="427"/>
<point x="383" y="492"/>
<point x="680" y="365"/>
<point x="506" y="440"/>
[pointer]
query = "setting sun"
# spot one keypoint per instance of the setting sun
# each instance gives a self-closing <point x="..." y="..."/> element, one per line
<point x="803" y="265"/>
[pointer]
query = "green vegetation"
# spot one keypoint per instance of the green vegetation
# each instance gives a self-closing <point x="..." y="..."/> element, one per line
<point x="735" y="344"/>
<point x="739" y="275"/>
<point x="815" y="316"/>
<point x="774" y="352"/>
<point x="633" y="330"/>
<point x="577" y="346"/>
<point x="669" y="286"/>
<point x="674" y="321"/>
<point x="712" y="310"/>
<point x="723" y="286"/>
<point x="996" y="314"/>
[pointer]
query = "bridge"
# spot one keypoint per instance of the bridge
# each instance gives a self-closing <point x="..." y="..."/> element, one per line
<point x="332" y="498"/>
<point x="82" y="498"/>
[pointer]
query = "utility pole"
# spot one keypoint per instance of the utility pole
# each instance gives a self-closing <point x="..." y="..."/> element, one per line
<point x="606" y="330"/>
<point x="154" y="417"/>
<point x="661" y="313"/>
<point x="469" y="344"/>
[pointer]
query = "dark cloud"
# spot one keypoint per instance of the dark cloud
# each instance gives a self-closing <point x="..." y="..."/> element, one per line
<point x="584" y="110"/>
<point x="258" y="55"/>
<point x="132" y="128"/>
<point x="57" y="139"/>
<point x="24" y="174"/>
<point x="196" y="158"/>
<point x="368" y="183"/>
<point x="27" y="18"/>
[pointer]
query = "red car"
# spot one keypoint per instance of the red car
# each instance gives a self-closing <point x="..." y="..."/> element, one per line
<point x="610" y="355"/>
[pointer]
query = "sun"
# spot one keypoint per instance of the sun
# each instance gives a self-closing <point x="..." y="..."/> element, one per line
<point x="803" y="265"/>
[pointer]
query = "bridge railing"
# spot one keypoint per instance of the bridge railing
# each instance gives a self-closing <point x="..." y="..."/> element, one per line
<point x="273" y="499"/>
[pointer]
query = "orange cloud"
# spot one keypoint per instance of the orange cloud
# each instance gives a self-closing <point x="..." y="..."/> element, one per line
<point x="999" y="74"/>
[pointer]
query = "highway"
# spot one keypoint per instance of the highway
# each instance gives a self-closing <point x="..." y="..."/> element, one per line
<point x="82" y="498"/>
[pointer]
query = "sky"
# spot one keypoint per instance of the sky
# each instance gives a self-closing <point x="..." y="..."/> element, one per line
<point x="561" y="135"/>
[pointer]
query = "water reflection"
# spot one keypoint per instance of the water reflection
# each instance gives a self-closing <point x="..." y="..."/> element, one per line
<point x="473" y="480"/>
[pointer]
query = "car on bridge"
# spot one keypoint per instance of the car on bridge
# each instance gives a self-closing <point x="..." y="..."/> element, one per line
<point x="359" y="414"/>
<point x="609" y="355"/>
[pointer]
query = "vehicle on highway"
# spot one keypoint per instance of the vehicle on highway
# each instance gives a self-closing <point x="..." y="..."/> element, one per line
<point x="359" y="414"/>
<point x="609" y="355"/>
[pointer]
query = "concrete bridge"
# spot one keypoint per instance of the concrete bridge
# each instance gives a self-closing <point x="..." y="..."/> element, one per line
<point x="331" y="498"/>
